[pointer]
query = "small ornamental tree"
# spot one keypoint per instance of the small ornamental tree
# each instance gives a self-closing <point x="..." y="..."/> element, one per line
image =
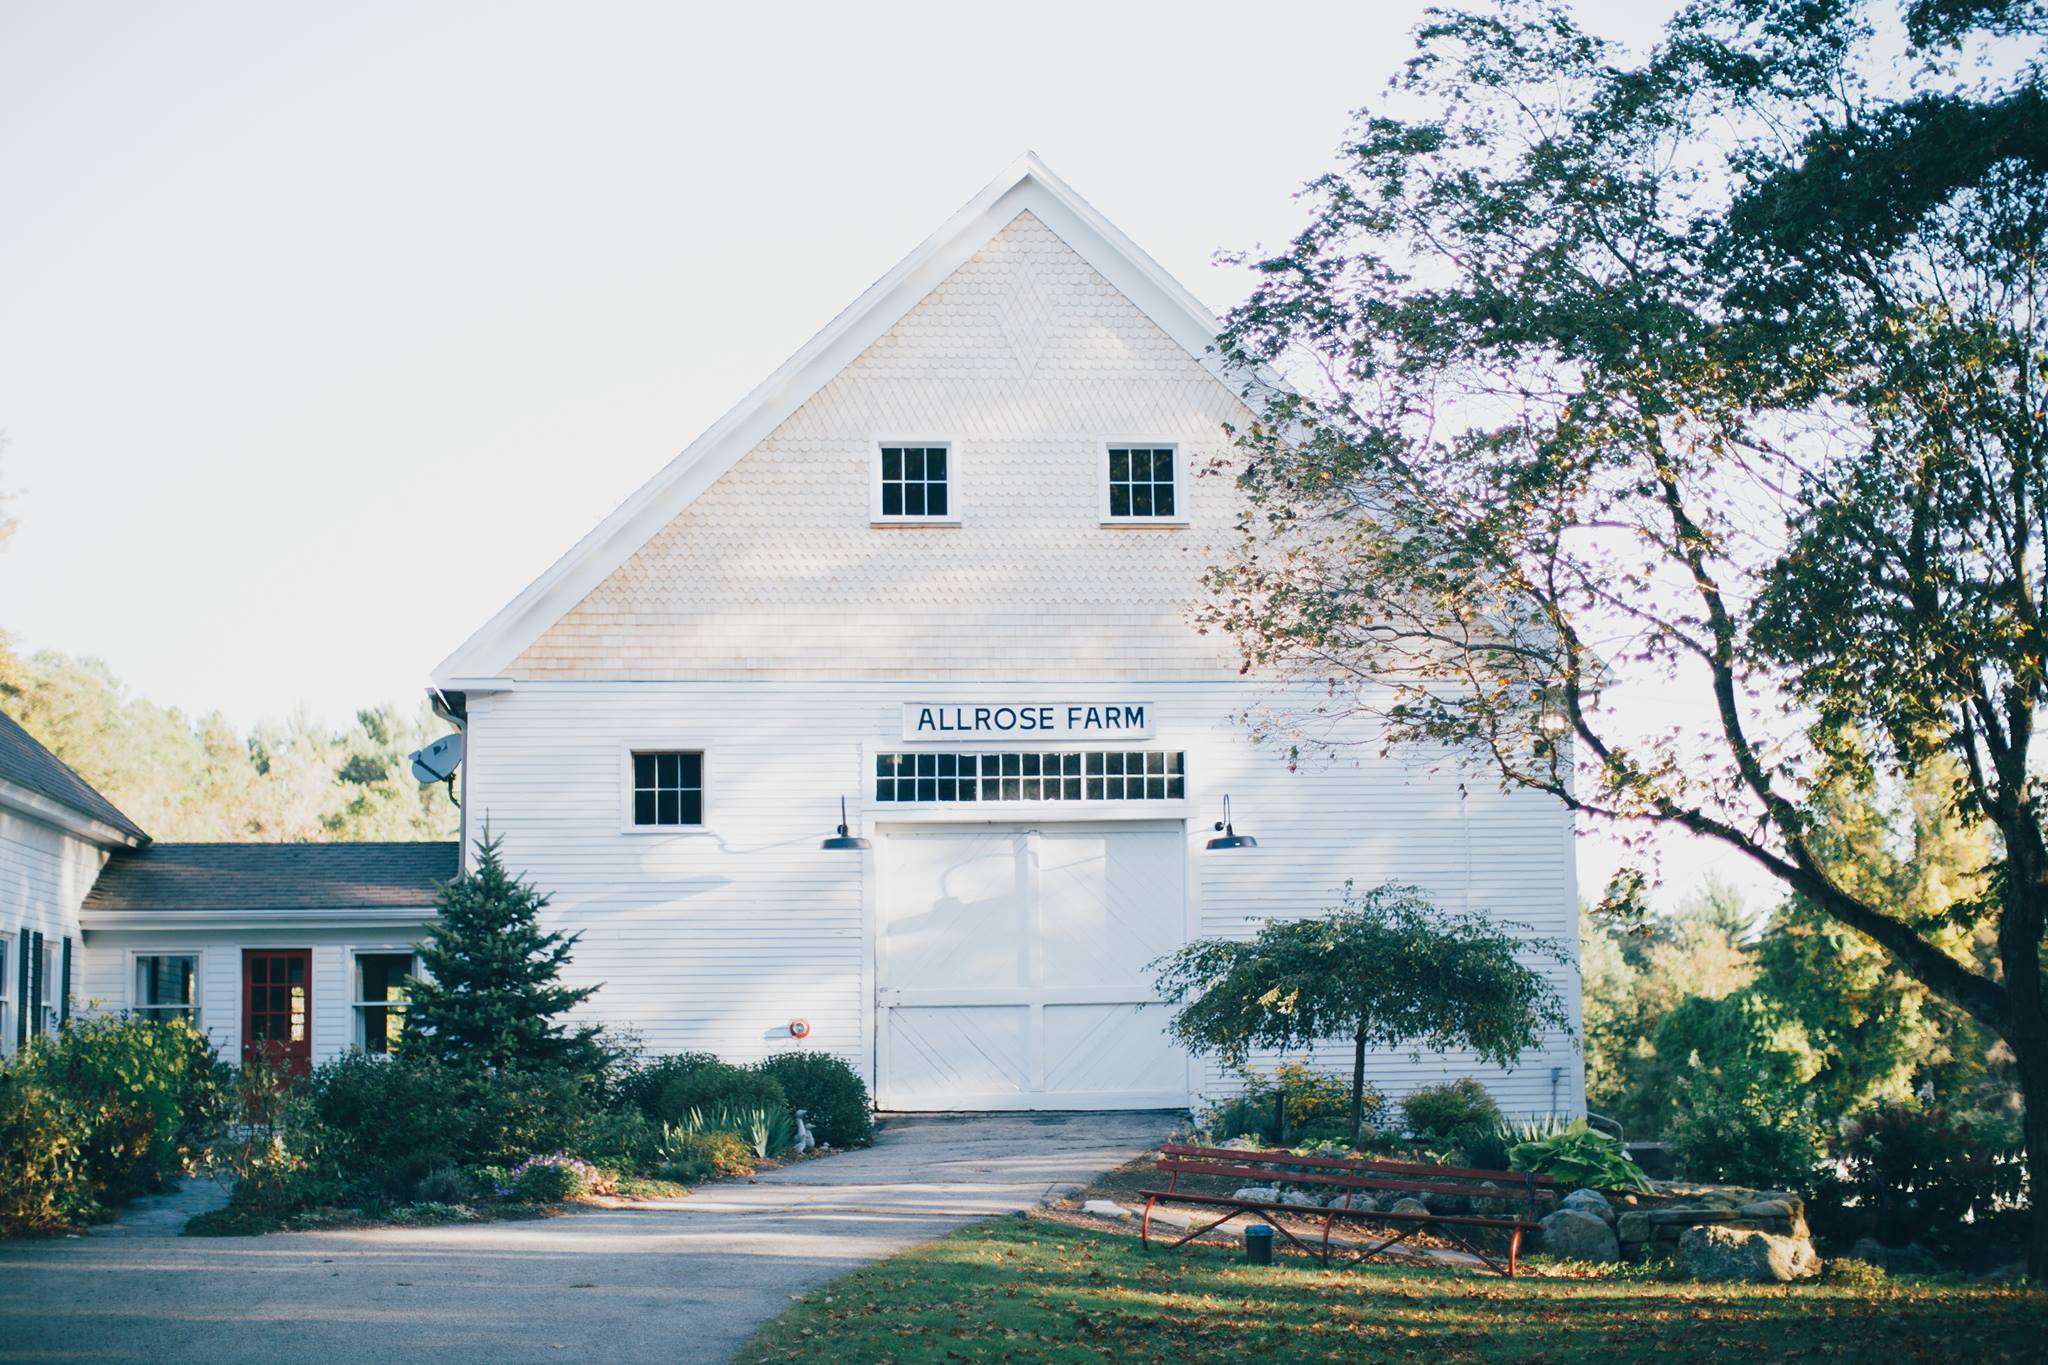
<point x="1385" y="967"/>
<point x="491" y="991"/>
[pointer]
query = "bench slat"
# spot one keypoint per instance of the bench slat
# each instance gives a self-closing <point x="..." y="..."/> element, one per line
<point x="1305" y="1211"/>
<point x="1345" y="1181"/>
<point x="1359" y="1163"/>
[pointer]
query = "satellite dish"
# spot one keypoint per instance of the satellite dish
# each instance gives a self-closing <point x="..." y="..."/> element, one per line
<point x="438" y="761"/>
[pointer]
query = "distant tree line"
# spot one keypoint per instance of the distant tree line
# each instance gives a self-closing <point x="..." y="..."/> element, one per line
<point x="200" y="779"/>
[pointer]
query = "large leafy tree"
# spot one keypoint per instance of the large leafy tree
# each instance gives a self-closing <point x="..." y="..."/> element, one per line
<point x="1721" y="372"/>
<point x="492" y="988"/>
<point x="1385" y="968"/>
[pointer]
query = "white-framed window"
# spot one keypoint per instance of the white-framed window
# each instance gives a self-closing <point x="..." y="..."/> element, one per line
<point x="382" y="992"/>
<point x="165" y="986"/>
<point x="46" y="991"/>
<point x="665" y="788"/>
<point x="1142" y="484"/>
<point x="7" y="971"/>
<point x="914" y="482"/>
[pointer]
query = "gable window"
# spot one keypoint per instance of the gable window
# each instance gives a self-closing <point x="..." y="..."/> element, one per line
<point x="165" y="986"/>
<point x="914" y="482"/>
<point x="668" y="789"/>
<point x="383" y="991"/>
<point x="1032" y="776"/>
<point x="1141" y="484"/>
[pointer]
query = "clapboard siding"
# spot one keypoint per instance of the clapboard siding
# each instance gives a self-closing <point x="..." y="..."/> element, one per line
<point x="715" y="939"/>
<point x="107" y="983"/>
<point x="45" y="873"/>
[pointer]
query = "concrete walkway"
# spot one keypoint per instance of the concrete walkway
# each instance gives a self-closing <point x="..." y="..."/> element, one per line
<point x="683" y="1280"/>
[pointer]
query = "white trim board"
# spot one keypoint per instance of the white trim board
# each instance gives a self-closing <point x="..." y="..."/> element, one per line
<point x="1027" y="185"/>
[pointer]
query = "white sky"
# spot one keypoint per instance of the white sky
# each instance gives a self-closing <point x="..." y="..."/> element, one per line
<point x="284" y="286"/>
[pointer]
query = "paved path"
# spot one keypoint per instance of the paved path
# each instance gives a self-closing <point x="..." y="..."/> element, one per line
<point x="686" y="1280"/>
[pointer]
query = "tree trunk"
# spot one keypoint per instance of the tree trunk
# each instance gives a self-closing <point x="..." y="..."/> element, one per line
<point x="2032" y="1058"/>
<point x="1358" y="1090"/>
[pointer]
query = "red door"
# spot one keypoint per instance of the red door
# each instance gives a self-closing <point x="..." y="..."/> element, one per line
<point x="277" y="1008"/>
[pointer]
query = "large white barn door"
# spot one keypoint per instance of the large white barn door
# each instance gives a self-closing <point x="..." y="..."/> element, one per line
<point x="1011" y="968"/>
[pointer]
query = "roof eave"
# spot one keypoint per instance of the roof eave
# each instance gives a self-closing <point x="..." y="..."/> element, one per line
<point x="36" y="806"/>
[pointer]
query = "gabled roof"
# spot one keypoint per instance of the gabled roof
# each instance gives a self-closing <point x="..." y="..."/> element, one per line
<point x="28" y="765"/>
<point x="199" y="879"/>
<point x="1025" y="186"/>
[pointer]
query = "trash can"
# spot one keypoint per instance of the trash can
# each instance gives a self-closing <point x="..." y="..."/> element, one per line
<point x="1258" y="1244"/>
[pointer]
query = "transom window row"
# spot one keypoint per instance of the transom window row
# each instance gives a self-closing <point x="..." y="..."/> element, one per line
<point x="1092" y="776"/>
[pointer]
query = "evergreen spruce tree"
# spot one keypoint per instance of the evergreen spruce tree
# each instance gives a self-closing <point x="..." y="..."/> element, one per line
<point x="490" y="993"/>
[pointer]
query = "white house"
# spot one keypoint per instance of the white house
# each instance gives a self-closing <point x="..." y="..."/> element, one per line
<point x="941" y="566"/>
<point x="295" y="952"/>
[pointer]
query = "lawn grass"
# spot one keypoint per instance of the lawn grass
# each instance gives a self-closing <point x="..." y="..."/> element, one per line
<point x="1039" y="1290"/>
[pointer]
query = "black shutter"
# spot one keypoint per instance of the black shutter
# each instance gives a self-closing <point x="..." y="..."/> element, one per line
<point x="35" y="978"/>
<point x="22" y="944"/>
<point x="64" y="985"/>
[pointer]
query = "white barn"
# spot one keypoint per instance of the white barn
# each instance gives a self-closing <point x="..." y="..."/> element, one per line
<point x="942" y="565"/>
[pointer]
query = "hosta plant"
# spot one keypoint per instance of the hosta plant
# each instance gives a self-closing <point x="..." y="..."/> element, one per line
<point x="1577" y="1158"/>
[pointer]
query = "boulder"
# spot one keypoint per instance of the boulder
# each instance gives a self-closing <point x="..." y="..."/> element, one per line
<point x="1300" y="1197"/>
<point x="1260" y="1194"/>
<point x="1105" y="1208"/>
<point x="1768" y="1208"/>
<point x="1633" y="1226"/>
<point x="1409" y="1205"/>
<point x="1734" y="1255"/>
<point x="1589" y="1201"/>
<point x="1360" y="1201"/>
<point x="1575" y="1235"/>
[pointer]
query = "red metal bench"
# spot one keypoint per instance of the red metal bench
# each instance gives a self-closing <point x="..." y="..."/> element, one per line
<point x="1352" y="1177"/>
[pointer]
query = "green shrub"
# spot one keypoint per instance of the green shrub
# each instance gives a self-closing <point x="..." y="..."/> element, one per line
<point x="621" y="1138"/>
<point x="1851" y="1273"/>
<point x="641" y="1086"/>
<point x="1317" y="1105"/>
<point x="719" y="1083"/>
<point x="444" y="1184"/>
<point x="546" y="1179"/>
<point x="103" y="1110"/>
<point x="1577" y="1157"/>
<point x="1484" y="1149"/>
<point x="1734" y="1126"/>
<point x="1916" y="1174"/>
<point x="1448" y="1112"/>
<point x="831" y="1095"/>
<point x="691" y="1154"/>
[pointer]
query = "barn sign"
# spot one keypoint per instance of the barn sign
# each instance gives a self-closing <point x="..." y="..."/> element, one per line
<point x="932" y="720"/>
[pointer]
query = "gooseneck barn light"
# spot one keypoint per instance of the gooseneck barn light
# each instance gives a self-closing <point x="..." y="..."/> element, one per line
<point x="1228" y="837"/>
<point x="843" y="840"/>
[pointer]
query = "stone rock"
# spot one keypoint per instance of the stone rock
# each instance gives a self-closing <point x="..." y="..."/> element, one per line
<point x="1301" y="1198"/>
<point x="1445" y="1203"/>
<point x="1576" y="1235"/>
<point x="1105" y="1208"/>
<point x="1409" y="1205"/>
<point x="1768" y="1208"/>
<point x="1732" y="1255"/>
<point x="1263" y="1194"/>
<point x="1685" y="1217"/>
<point x="1360" y="1201"/>
<point x="1589" y="1201"/>
<point x="1633" y="1226"/>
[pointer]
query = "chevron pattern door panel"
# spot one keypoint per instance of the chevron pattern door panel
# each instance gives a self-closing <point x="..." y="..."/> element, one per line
<point x="1011" y="968"/>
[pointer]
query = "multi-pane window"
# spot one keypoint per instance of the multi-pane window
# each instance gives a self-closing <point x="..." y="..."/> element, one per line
<point x="1091" y="776"/>
<point x="165" y="986"/>
<point x="383" y="990"/>
<point x="1141" y="481"/>
<point x="668" y="789"/>
<point x="914" y="482"/>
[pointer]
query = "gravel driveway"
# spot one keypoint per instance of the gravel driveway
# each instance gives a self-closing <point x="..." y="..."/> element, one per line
<point x="684" y="1280"/>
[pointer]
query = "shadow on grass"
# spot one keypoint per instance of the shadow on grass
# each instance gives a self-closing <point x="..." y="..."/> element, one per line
<point x="1012" y="1289"/>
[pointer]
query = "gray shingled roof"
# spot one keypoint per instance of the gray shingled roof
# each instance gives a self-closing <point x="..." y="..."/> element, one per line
<point x="215" y="877"/>
<point x="28" y="764"/>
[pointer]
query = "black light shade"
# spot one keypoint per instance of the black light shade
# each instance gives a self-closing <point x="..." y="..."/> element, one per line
<point x="842" y="840"/>
<point x="1229" y="838"/>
